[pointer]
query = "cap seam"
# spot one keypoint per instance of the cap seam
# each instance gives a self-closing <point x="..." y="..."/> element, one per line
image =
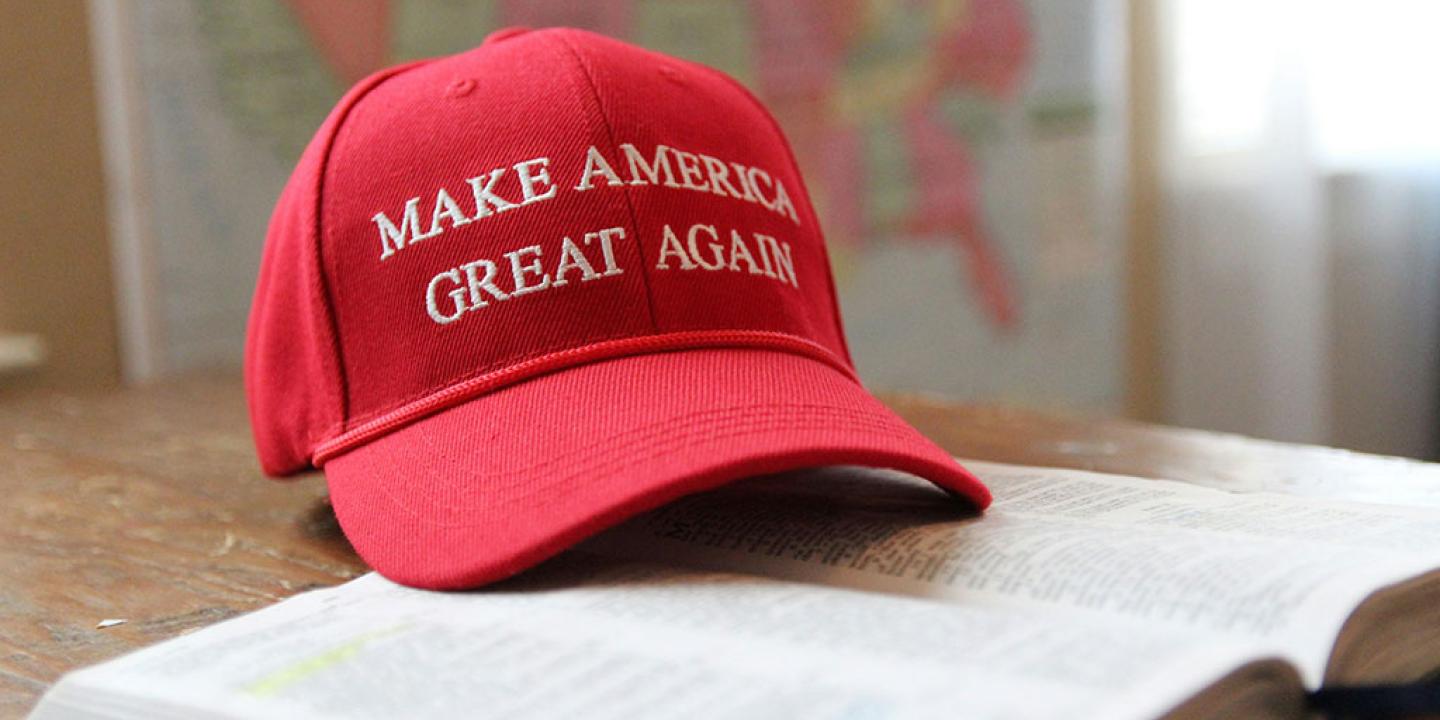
<point x="323" y="270"/>
<point x="610" y="138"/>
<point x="809" y="203"/>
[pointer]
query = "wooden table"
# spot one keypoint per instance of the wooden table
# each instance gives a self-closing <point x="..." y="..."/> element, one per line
<point x="147" y="506"/>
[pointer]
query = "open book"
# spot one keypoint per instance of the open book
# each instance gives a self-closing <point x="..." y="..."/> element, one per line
<point x="851" y="593"/>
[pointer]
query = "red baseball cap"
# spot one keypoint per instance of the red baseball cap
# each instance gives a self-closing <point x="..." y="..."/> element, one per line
<point x="513" y="296"/>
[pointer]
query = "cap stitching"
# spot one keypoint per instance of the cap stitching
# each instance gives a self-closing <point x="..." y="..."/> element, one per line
<point x="733" y="418"/>
<point x="809" y="204"/>
<point x="667" y="440"/>
<point x="610" y="137"/>
<point x="322" y="270"/>
<point x="672" y="432"/>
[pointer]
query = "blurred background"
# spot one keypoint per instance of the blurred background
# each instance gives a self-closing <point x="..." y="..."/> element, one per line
<point x="1222" y="214"/>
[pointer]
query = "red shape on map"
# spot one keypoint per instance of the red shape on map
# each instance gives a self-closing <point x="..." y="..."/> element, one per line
<point x="352" y="37"/>
<point x="607" y="17"/>
<point x="802" y="55"/>
<point x="802" y="52"/>
<point x="948" y="204"/>
<point x="986" y="52"/>
<point x="801" y="47"/>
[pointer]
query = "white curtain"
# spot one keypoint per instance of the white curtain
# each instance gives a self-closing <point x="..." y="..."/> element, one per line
<point x="1299" y="143"/>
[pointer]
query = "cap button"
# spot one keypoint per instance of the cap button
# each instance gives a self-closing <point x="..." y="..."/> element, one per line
<point x="504" y="34"/>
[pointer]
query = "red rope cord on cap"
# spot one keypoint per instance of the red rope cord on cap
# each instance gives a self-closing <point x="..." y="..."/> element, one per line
<point x="489" y="382"/>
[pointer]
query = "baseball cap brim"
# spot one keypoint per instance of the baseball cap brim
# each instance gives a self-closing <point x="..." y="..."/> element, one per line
<point x="495" y="485"/>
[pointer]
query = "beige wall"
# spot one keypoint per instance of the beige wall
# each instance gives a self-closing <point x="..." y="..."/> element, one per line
<point x="54" y="256"/>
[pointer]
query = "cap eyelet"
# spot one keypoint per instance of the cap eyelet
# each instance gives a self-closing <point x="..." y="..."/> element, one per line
<point x="459" y="87"/>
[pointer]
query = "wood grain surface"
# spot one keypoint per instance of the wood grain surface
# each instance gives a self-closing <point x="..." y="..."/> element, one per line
<point x="147" y="506"/>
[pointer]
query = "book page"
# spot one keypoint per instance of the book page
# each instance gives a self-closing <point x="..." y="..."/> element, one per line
<point x="1256" y="465"/>
<point x="596" y="638"/>
<point x="1278" y="569"/>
